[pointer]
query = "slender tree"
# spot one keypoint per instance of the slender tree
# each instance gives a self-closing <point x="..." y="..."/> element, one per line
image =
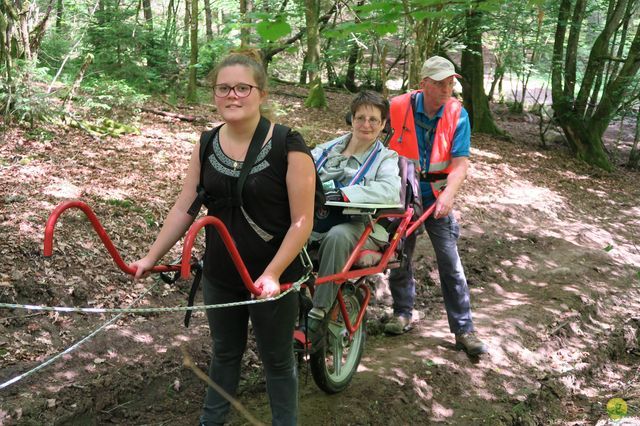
<point x="316" y="97"/>
<point x="472" y="65"/>
<point x="245" y="7"/>
<point x="426" y="32"/>
<point x="187" y="23"/>
<point x="354" y="54"/>
<point x="148" y="15"/>
<point x="59" y="14"/>
<point x="193" y="63"/>
<point x="584" y="127"/>
<point x="208" y="20"/>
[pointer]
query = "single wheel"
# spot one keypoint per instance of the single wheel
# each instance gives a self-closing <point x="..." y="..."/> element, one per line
<point x="334" y="365"/>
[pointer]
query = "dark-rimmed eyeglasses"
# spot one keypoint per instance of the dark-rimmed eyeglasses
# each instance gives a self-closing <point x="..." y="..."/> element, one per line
<point x="241" y="90"/>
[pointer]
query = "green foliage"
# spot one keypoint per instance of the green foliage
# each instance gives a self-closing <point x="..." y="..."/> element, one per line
<point x="105" y="127"/>
<point x="54" y="48"/>
<point x="271" y="29"/>
<point x="103" y="95"/>
<point x="124" y="204"/>
<point x="212" y="51"/>
<point x="23" y="96"/>
<point x="40" y="134"/>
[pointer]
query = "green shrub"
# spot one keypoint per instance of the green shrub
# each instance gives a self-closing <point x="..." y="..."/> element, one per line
<point x="116" y="97"/>
<point x="211" y="52"/>
<point x="23" y="95"/>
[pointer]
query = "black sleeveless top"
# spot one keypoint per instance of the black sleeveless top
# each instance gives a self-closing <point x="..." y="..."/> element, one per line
<point x="260" y="224"/>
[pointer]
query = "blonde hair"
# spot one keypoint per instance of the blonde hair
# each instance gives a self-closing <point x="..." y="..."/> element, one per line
<point x="247" y="57"/>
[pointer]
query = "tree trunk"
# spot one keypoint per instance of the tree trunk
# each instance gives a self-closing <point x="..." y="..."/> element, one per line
<point x="316" y="98"/>
<point x="586" y="144"/>
<point x="634" y="156"/>
<point x="584" y="128"/>
<point x="187" y="23"/>
<point x="208" y="20"/>
<point x="597" y="55"/>
<point x="148" y="17"/>
<point x="497" y="76"/>
<point x="595" y="95"/>
<point x="425" y="37"/>
<point x="192" y="96"/>
<point x="382" y="60"/>
<point x="352" y="61"/>
<point x="476" y="102"/>
<point x="623" y="38"/>
<point x="245" y="6"/>
<point x="151" y="51"/>
<point x="332" y="77"/>
<point x="220" y="21"/>
<point x="5" y="56"/>
<point x="59" y="15"/>
<point x="76" y="83"/>
<point x="37" y="34"/>
<point x="170" y="24"/>
<point x="572" y="46"/>
<point x="303" y="72"/>
<point x="350" y="78"/>
<point x="23" y="31"/>
<point x="270" y="52"/>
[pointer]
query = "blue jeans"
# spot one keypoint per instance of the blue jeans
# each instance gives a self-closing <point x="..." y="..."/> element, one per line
<point x="273" y="324"/>
<point x="444" y="233"/>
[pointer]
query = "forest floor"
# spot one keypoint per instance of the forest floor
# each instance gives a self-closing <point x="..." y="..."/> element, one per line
<point x="551" y="248"/>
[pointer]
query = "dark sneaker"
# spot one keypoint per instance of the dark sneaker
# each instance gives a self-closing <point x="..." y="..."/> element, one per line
<point x="317" y="322"/>
<point x="470" y="343"/>
<point x="398" y="325"/>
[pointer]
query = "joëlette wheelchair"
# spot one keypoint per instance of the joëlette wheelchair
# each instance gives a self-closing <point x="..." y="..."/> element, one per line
<point x="335" y="362"/>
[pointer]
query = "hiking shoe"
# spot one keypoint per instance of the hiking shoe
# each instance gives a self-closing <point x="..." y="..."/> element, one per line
<point x="398" y="325"/>
<point x="470" y="343"/>
<point x="317" y="321"/>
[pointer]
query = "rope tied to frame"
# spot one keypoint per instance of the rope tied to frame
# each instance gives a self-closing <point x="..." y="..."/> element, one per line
<point x="121" y="311"/>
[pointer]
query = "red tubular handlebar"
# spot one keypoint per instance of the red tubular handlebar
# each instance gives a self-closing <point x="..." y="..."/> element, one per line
<point x="347" y="274"/>
<point x="51" y="224"/>
<point x="229" y="244"/>
<point x="185" y="266"/>
<point x="414" y="225"/>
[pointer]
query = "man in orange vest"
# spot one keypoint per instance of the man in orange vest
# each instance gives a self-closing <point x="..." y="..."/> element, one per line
<point x="432" y="128"/>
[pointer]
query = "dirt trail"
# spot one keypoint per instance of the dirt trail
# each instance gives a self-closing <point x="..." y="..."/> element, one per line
<point x="550" y="247"/>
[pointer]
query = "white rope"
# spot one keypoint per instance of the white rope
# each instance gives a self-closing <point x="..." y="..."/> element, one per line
<point x="143" y="310"/>
<point x="121" y="311"/>
<point x="74" y="346"/>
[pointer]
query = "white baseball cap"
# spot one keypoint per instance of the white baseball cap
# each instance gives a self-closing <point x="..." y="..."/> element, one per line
<point x="438" y="68"/>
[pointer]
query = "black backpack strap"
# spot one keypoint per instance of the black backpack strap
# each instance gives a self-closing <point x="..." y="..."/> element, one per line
<point x="280" y="133"/>
<point x="255" y="146"/>
<point x="201" y="195"/>
<point x="203" y="198"/>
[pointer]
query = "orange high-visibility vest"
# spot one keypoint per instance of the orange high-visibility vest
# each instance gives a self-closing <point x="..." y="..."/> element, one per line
<point x="405" y="141"/>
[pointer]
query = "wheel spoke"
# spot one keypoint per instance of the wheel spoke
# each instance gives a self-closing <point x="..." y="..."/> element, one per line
<point x="334" y="366"/>
<point x="337" y="357"/>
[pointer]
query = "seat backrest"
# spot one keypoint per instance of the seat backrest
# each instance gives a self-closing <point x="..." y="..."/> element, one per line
<point x="410" y="194"/>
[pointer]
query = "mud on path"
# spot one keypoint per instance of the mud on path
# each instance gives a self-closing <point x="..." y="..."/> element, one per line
<point x="550" y="247"/>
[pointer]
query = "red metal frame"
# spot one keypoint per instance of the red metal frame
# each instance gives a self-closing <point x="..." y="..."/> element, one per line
<point x="53" y="219"/>
<point x="405" y="228"/>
